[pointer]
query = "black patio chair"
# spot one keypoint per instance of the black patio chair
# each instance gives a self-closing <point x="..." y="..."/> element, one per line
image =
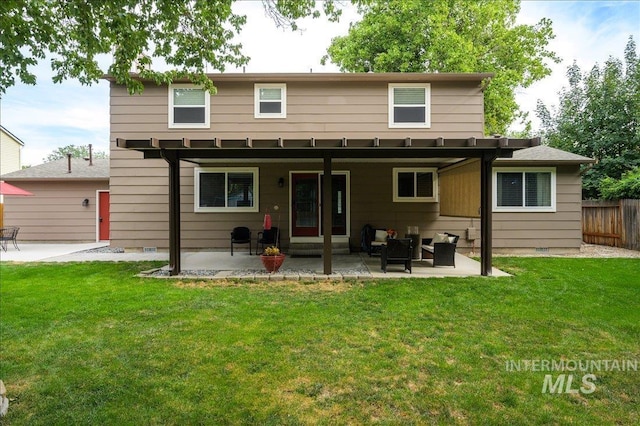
<point x="240" y="235"/>
<point x="267" y="237"/>
<point x="399" y="250"/>
<point x="9" y="233"/>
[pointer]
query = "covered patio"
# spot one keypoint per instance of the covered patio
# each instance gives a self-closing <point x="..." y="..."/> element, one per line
<point x="355" y="266"/>
<point x="453" y="151"/>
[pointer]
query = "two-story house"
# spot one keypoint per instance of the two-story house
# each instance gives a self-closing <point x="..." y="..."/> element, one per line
<point x="339" y="151"/>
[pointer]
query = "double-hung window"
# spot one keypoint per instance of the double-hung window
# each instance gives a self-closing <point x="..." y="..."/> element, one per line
<point x="188" y="107"/>
<point x="270" y="100"/>
<point x="226" y="189"/>
<point x="409" y="105"/>
<point x="415" y="185"/>
<point x="531" y="190"/>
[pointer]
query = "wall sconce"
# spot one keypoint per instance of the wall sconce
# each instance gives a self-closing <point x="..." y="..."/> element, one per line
<point x="85" y="202"/>
<point x="281" y="182"/>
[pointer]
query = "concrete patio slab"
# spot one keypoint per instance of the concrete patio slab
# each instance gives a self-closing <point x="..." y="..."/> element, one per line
<point x="221" y="265"/>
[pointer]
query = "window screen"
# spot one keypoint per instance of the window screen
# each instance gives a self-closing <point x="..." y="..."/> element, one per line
<point x="409" y="105"/>
<point x="189" y="106"/>
<point x="509" y="189"/>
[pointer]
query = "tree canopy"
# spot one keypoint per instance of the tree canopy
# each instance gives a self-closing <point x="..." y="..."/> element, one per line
<point x="451" y="36"/>
<point x="189" y="36"/>
<point x="598" y="116"/>
<point x="76" y="151"/>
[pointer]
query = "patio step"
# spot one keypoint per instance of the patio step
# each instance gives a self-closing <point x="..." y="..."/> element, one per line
<point x="315" y="249"/>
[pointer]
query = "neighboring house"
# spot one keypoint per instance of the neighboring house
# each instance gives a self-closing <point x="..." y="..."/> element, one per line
<point x="70" y="201"/>
<point x="10" y="151"/>
<point x="403" y="149"/>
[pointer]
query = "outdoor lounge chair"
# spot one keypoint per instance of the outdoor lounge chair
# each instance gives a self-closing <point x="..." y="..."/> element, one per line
<point x="240" y="235"/>
<point x="442" y="248"/>
<point x="268" y="237"/>
<point x="10" y="233"/>
<point x="373" y="239"/>
<point x="397" y="251"/>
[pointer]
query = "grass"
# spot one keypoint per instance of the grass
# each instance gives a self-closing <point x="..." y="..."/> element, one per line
<point x="90" y="343"/>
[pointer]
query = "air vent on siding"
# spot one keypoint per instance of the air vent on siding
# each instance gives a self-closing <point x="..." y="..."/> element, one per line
<point x="150" y="249"/>
<point x="542" y="249"/>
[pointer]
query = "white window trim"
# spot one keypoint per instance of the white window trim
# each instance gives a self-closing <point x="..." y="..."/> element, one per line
<point x="207" y="108"/>
<point x="398" y="199"/>
<point x="283" y="100"/>
<point x="256" y="190"/>
<point x="427" y="112"/>
<point x="523" y="208"/>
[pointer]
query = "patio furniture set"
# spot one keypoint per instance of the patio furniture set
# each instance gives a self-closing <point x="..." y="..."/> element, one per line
<point x="266" y="237"/>
<point x="441" y="248"/>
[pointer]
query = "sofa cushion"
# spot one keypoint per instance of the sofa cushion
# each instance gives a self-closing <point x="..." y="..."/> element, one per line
<point x="440" y="238"/>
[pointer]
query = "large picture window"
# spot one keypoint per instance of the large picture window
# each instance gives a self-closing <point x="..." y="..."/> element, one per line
<point x="270" y="100"/>
<point x="409" y="105"/>
<point x="524" y="189"/>
<point x="415" y="185"/>
<point x="188" y="106"/>
<point x="226" y="189"/>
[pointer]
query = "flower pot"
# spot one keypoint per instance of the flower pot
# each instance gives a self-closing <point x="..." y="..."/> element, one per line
<point x="272" y="263"/>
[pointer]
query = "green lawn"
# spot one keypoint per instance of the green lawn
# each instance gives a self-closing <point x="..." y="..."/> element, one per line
<point x="90" y="343"/>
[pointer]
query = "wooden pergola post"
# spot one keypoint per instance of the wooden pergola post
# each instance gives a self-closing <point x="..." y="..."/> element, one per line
<point x="486" y="218"/>
<point x="327" y="208"/>
<point x="173" y="159"/>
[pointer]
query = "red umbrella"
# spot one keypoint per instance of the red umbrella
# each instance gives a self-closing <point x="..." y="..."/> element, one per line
<point x="8" y="189"/>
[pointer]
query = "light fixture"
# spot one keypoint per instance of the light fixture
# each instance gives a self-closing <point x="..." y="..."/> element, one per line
<point x="85" y="202"/>
<point x="281" y="182"/>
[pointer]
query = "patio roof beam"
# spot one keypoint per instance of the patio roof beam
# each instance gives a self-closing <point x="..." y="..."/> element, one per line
<point x="336" y="153"/>
<point x="311" y="144"/>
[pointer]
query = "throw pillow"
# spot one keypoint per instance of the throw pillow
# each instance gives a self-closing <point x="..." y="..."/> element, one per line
<point x="440" y="238"/>
<point x="381" y="235"/>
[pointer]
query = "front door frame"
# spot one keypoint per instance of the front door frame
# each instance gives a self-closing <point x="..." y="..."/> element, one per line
<point x="319" y="238"/>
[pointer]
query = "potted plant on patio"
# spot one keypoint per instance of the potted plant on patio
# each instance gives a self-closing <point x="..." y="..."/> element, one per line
<point x="272" y="259"/>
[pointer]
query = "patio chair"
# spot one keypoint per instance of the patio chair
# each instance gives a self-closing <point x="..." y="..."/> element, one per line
<point x="442" y="248"/>
<point x="267" y="237"/>
<point x="9" y="233"/>
<point x="240" y="235"/>
<point x="398" y="250"/>
<point x="373" y="239"/>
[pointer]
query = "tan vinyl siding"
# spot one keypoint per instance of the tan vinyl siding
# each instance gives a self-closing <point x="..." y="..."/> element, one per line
<point x="55" y="212"/>
<point x="321" y="110"/>
<point x="559" y="230"/>
<point x="355" y="110"/>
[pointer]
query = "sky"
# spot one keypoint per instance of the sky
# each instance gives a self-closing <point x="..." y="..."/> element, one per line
<point x="48" y="116"/>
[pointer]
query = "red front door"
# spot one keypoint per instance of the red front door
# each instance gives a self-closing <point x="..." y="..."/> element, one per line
<point x="103" y="216"/>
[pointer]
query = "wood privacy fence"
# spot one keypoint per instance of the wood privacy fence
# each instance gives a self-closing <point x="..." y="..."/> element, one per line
<point x="612" y="223"/>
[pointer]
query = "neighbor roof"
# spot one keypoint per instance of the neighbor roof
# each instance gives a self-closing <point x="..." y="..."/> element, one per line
<point x="59" y="170"/>
<point x="544" y="154"/>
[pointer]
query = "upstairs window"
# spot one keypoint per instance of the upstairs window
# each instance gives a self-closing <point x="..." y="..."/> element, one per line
<point x="409" y="105"/>
<point x="270" y="101"/>
<point x="188" y="106"/>
<point x="415" y="185"/>
<point x="226" y="189"/>
<point x="532" y="190"/>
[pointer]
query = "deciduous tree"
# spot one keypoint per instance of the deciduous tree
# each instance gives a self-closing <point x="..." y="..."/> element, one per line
<point x="451" y="36"/>
<point x="598" y="116"/>
<point x="190" y="36"/>
<point x="76" y="151"/>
